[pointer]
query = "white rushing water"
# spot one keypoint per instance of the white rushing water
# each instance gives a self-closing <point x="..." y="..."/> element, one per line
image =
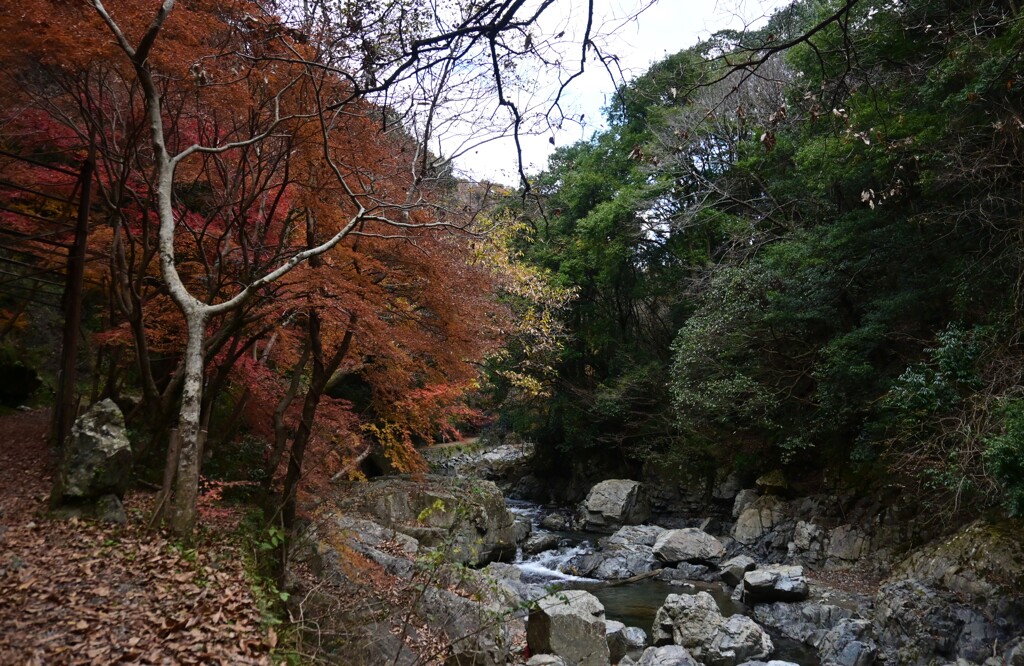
<point x="549" y="565"/>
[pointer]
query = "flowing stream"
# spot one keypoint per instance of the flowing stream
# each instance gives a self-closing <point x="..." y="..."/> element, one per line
<point x="633" y="604"/>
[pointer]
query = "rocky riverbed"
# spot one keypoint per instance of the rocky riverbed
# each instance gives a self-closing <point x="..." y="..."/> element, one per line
<point x="800" y="580"/>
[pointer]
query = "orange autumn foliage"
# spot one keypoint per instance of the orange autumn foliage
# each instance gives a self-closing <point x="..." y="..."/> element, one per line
<point x="398" y="302"/>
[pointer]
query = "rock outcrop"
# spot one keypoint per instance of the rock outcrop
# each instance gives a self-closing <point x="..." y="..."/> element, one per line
<point x="849" y="643"/>
<point x="466" y="518"/>
<point x="571" y="625"/>
<point x="614" y="503"/>
<point x="758" y="519"/>
<point x="805" y="621"/>
<point x="958" y="598"/>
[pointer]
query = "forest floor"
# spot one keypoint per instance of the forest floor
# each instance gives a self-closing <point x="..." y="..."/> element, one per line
<point x="83" y="592"/>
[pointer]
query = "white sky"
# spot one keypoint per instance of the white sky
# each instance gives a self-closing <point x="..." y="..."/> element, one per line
<point x="666" y="28"/>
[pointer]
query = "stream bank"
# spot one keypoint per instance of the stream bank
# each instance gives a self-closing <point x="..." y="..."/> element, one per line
<point x="772" y="577"/>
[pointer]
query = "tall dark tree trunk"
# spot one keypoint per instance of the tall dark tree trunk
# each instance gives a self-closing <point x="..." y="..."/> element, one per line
<point x="322" y="372"/>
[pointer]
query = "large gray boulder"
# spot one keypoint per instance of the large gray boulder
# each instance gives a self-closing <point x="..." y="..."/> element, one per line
<point x="614" y="503"/>
<point x="775" y="583"/>
<point x="625" y="554"/>
<point x="690" y="620"/>
<point x="569" y="624"/>
<point x="467" y="519"/>
<point x="95" y="468"/>
<point x="696" y="623"/>
<point x="666" y="655"/>
<point x="688" y="545"/>
<point x="738" y="640"/>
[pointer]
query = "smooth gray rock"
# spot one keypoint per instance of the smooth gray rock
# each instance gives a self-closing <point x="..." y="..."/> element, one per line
<point x="636" y="638"/>
<point x="617" y="564"/>
<point x="684" y="571"/>
<point x="688" y="545"/>
<point x="509" y="578"/>
<point x="522" y="528"/>
<point x="614" y="503"/>
<point x="775" y="583"/>
<point x="667" y="655"/>
<point x="635" y="535"/>
<point x="97" y="457"/>
<point x="735" y="568"/>
<point x="569" y="624"/>
<point x="369" y="533"/>
<point x="623" y="640"/>
<point x="624" y="554"/>
<point x="739" y="639"/>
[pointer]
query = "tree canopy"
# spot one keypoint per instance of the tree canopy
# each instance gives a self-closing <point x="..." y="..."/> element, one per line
<point x="801" y="244"/>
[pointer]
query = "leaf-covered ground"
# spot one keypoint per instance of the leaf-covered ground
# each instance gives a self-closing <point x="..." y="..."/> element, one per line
<point x="80" y="592"/>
